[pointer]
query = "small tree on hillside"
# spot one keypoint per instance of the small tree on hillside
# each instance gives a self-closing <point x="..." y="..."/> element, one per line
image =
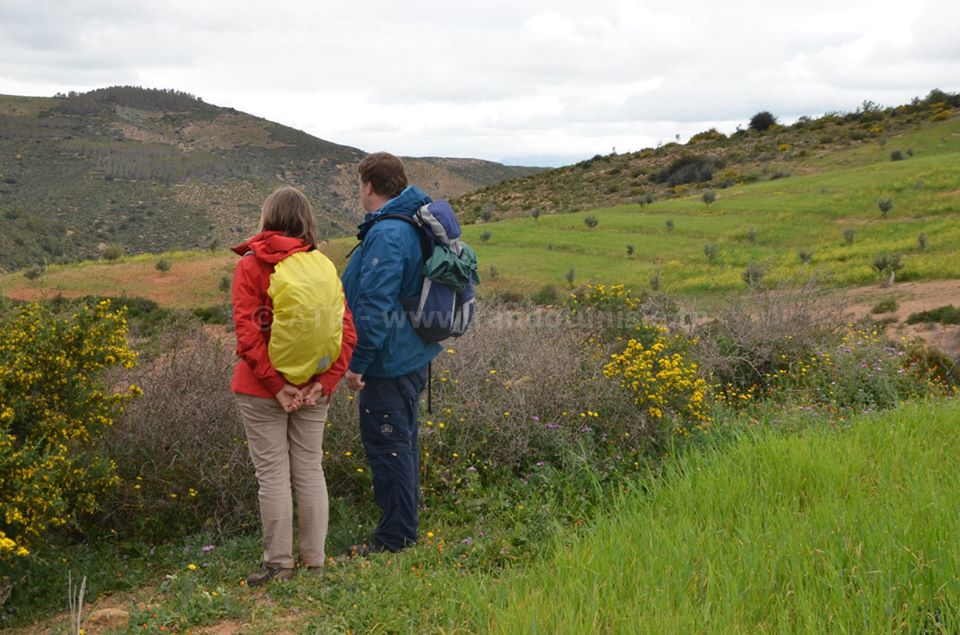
<point x="888" y="265"/>
<point x="762" y="121"/>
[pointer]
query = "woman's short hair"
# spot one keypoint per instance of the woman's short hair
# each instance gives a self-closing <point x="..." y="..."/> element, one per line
<point x="287" y="210"/>
<point x="385" y="172"/>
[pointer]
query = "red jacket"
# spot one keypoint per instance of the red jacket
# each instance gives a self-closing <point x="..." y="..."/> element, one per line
<point x="253" y="312"/>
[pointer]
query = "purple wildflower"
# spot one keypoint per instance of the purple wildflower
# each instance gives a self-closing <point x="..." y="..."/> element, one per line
<point x="207" y="548"/>
<point x="552" y="426"/>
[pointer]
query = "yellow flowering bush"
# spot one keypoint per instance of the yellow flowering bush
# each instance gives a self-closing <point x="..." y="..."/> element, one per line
<point x="663" y="380"/>
<point x="53" y="410"/>
<point x="601" y="297"/>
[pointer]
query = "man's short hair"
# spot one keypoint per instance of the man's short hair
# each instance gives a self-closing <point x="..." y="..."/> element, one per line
<point x="385" y="172"/>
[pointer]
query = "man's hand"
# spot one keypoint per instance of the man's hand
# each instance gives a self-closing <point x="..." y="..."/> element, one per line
<point x="290" y="398"/>
<point x="354" y="380"/>
<point x="313" y="394"/>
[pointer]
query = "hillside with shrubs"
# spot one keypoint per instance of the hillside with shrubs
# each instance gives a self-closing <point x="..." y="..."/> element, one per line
<point x="147" y="170"/>
<point x="761" y="150"/>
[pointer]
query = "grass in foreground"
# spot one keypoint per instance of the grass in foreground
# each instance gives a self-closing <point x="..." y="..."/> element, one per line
<point x="850" y="532"/>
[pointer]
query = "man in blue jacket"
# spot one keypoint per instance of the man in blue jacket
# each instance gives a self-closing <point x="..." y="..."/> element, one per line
<point x="389" y="364"/>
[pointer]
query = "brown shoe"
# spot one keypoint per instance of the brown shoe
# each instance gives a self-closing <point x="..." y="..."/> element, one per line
<point x="266" y="574"/>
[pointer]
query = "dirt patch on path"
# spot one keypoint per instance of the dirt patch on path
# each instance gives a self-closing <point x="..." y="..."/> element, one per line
<point x="911" y="297"/>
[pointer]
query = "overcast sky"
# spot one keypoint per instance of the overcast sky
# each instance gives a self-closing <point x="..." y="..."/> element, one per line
<point x="521" y="81"/>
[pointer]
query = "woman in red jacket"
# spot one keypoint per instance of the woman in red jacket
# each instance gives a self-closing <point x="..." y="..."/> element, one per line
<point x="283" y="422"/>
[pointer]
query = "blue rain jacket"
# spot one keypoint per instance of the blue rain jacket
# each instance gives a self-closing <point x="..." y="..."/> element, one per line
<point x="386" y="268"/>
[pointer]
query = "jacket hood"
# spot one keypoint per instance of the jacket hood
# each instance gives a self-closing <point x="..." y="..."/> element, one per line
<point x="272" y="246"/>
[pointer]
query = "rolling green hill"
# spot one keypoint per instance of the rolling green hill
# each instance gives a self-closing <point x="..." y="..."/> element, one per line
<point x="712" y="160"/>
<point x="154" y="170"/>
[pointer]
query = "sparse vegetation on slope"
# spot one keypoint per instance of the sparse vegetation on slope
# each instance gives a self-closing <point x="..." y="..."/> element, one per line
<point x="155" y="170"/>
<point x="711" y="160"/>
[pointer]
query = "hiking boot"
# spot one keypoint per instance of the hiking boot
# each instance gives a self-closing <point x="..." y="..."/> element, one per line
<point x="365" y="550"/>
<point x="266" y="574"/>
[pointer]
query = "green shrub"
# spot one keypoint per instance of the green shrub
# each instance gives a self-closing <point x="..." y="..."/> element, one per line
<point x="896" y="155"/>
<point x="849" y="235"/>
<point x="948" y="314"/>
<point x="887" y="263"/>
<point x="547" y="295"/>
<point x="762" y="121"/>
<point x="922" y="242"/>
<point x="885" y="205"/>
<point x="711" y="250"/>
<point x="670" y="225"/>
<point x="709" y="196"/>
<point x="485" y="236"/>
<point x="54" y="408"/>
<point x="753" y="274"/>
<point x="225" y="283"/>
<point x="691" y="168"/>
<point x="162" y="265"/>
<point x="888" y="305"/>
<point x="590" y="221"/>
<point x="216" y="314"/>
<point x="806" y="255"/>
<point x="112" y="252"/>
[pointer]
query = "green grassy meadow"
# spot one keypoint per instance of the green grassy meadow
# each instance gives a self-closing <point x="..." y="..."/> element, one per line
<point x="843" y="531"/>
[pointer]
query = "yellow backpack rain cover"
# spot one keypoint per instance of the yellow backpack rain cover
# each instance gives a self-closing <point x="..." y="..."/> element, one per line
<point x="307" y="316"/>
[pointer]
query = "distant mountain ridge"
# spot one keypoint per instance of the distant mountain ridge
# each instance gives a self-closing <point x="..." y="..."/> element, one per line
<point x="153" y="170"/>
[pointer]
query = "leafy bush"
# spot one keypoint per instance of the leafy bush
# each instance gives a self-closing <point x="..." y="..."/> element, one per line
<point x="948" y="314"/>
<point x="885" y="205"/>
<point x="485" y="236"/>
<point x="590" y="221"/>
<point x="710" y="250"/>
<point x="709" y="196"/>
<point x="806" y="255"/>
<point x="922" y="242"/>
<point x="670" y="225"/>
<point x="707" y="135"/>
<point x="896" y="155"/>
<point x="762" y="121"/>
<point x="691" y="168"/>
<point x="54" y="409"/>
<point x="162" y="265"/>
<point x="661" y="377"/>
<point x="888" y="305"/>
<point x="547" y="295"/>
<point x="849" y="235"/>
<point x="753" y="274"/>
<point x="112" y="252"/>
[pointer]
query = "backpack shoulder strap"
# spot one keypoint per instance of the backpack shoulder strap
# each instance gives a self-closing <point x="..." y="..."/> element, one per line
<point x="426" y="242"/>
